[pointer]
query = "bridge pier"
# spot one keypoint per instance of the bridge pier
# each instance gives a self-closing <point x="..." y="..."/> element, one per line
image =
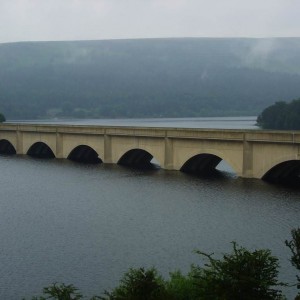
<point x="168" y="161"/>
<point x="59" y="146"/>
<point x="107" y="159"/>
<point x="247" y="159"/>
<point x="19" y="147"/>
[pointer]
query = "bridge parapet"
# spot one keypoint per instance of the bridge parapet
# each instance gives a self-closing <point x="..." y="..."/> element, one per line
<point x="206" y="134"/>
<point x="273" y="136"/>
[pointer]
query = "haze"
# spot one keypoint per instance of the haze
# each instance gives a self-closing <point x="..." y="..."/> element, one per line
<point x="44" y="20"/>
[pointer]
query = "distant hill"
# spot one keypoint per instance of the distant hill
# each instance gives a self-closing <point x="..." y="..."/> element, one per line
<point x="147" y="77"/>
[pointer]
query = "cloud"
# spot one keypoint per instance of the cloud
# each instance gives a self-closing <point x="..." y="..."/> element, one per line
<point x="106" y="19"/>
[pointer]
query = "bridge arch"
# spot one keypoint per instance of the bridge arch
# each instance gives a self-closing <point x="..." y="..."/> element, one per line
<point x="40" y="150"/>
<point x="6" y="147"/>
<point x="137" y="158"/>
<point x="205" y="163"/>
<point x="288" y="171"/>
<point x="285" y="169"/>
<point x="84" y="154"/>
<point x="267" y="166"/>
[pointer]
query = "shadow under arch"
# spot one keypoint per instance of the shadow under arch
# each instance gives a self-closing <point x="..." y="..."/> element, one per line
<point x="84" y="154"/>
<point x="139" y="159"/>
<point x="203" y="165"/>
<point x="287" y="172"/>
<point x="40" y="150"/>
<point x="7" y="148"/>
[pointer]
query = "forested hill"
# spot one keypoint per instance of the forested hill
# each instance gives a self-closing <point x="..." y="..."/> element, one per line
<point x="147" y="77"/>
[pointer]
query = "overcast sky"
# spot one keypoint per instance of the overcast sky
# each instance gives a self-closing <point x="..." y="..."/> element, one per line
<point x="44" y="20"/>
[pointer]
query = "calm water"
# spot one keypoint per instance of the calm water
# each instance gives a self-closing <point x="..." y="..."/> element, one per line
<point x="224" y="122"/>
<point x="87" y="224"/>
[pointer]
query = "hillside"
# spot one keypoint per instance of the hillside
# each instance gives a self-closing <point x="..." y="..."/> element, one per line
<point x="147" y="78"/>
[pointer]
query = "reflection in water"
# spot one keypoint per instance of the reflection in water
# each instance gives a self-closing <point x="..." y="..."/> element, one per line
<point x="87" y="224"/>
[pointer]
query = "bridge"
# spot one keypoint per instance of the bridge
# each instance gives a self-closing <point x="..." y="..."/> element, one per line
<point x="270" y="155"/>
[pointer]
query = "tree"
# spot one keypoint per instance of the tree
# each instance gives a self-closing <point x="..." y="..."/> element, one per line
<point x="138" y="284"/>
<point x="294" y="246"/>
<point x="60" y="292"/>
<point x="281" y="115"/>
<point x="2" y="118"/>
<point x="240" y="275"/>
<point x="181" y="287"/>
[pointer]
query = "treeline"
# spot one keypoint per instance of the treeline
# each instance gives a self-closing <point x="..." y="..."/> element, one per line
<point x="2" y="118"/>
<point x="281" y="115"/>
<point x="240" y="275"/>
<point x="147" y="78"/>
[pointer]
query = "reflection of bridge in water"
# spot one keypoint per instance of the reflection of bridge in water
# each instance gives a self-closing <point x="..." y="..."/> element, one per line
<point x="271" y="155"/>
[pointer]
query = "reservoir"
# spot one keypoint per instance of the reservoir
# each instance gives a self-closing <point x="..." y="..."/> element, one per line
<point x="88" y="224"/>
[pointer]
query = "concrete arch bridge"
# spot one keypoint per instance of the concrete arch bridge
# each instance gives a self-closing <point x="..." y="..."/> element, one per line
<point x="270" y="155"/>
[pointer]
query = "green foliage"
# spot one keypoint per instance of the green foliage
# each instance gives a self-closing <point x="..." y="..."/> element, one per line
<point x="181" y="287"/>
<point x="138" y="284"/>
<point x="281" y="115"/>
<point x="2" y="118"/>
<point x="294" y="246"/>
<point x="60" y="292"/>
<point x="146" y="78"/>
<point x="240" y="275"/>
<point x="141" y="284"/>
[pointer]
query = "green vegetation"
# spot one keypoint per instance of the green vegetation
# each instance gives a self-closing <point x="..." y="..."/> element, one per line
<point x="139" y="284"/>
<point x="147" y="77"/>
<point x="294" y="246"/>
<point x="2" y="118"/>
<point x="281" y="115"/>
<point x="60" y="292"/>
<point x="241" y="274"/>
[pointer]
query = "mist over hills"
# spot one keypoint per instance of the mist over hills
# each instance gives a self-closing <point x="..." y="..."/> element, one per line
<point x="187" y="77"/>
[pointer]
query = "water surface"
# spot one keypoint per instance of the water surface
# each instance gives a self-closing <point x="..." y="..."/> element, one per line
<point x="87" y="224"/>
<point x="213" y="122"/>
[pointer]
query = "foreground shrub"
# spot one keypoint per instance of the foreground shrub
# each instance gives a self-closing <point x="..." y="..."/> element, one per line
<point x="294" y="246"/>
<point x="240" y="275"/>
<point x="138" y="284"/>
<point x="2" y="118"/>
<point x="60" y="292"/>
<point x="181" y="287"/>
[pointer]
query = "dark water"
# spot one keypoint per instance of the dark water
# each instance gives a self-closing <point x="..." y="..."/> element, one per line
<point x="88" y="224"/>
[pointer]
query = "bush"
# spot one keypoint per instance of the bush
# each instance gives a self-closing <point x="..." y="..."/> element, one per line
<point x="240" y="275"/>
<point x="294" y="246"/>
<point x="2" y="118"/>
<point x="138" y="284"/>
<point x="60" y="292"/>
<point x="181" y="287"/>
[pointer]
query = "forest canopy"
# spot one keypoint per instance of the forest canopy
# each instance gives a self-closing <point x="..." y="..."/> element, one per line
<point x="2" y="118"/>
<point x="183" y="77"/>
<point x="281" y="115"/>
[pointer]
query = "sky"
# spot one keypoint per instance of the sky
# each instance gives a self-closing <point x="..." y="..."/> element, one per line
<point x="49" y="20"/>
